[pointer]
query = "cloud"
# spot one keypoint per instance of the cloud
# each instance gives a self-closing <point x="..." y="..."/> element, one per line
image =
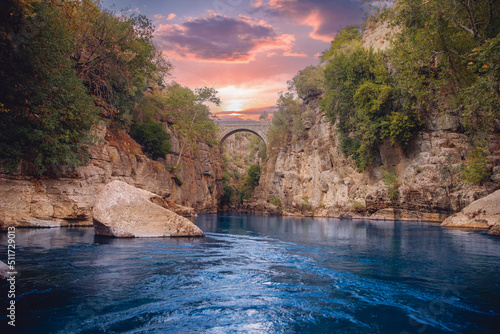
<point x="257" y="3"/>
<point x="248" y="114"/>
<point x="171" y="16"/>
<point x="325" y="17"/>
<point x="222" y="39"/>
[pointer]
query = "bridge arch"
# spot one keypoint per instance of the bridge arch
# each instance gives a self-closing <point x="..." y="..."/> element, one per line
<point x="224" y="137"/>
<point x="258" y="128"/>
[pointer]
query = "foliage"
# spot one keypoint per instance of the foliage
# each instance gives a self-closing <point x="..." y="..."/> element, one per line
<point x="276" y="201"/>
<point x="359" y="99"/>
<point x="114" y="55"/>
<point x="309" y="83"/>
<point x="59" y="60"/>
<point x="481" y="99"/>
<point x="153" y="138"/>
<point x="476" y="171"/>
<point x="391" y="180"/>
<point x="446" y="57"/>
<point x="305" y="206"/>
<point x="256" y="146"/>
<point x="229" y="192"/>
<point x="185" y="110"/>
<point x="250" y="181"/>
<point x="46" y="113"/>
<point x="264" y="117"/>
<point x="358" y="207"/>
<point x="287" y="122"/>
<point x="344" y="37"/>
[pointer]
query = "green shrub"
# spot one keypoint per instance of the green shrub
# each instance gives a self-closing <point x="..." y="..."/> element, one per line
<point x="276" y="201"/>
<point x="305" y="206"/>
<point x="391" y="180"/>
<point x="153" y="138"/>
<point x="250" y="181"/>
<point x="476" y="171"/>
<point x="358" y="207"/>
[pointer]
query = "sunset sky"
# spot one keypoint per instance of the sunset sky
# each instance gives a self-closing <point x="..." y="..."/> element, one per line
<point x="246" y="49"/>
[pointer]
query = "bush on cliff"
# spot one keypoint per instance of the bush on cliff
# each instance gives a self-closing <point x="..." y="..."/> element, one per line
<point x="153" y="138"/>
<point x="250" y="181"/>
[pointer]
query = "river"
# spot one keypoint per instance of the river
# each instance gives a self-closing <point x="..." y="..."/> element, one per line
<point x="257" y="274"/>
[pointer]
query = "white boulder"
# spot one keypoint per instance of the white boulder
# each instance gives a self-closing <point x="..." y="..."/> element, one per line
<point x="483" y="213"/>
<point x="122" y="210"/>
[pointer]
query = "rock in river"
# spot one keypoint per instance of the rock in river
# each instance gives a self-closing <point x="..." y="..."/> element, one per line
<point x="4" y="271"/>
<point x="483" y="213"/>
<point x="122" y="210"/>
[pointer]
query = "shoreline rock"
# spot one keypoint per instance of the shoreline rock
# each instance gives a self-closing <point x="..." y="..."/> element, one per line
<point x="4" y="271"/>
<point x="481" y="214"/>
<point x="124" y="211"/>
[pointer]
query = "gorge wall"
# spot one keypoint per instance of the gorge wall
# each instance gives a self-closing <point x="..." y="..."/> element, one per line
<point x="312" y="177"/>
<point x="66" y="197"/>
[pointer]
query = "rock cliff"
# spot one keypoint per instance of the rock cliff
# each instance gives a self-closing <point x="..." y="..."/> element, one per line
<point x="66" y="197"/>
<point x="422" y="182"/>
<point x="312" y="177"/>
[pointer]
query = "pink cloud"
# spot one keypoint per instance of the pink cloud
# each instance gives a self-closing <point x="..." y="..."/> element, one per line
<point x="325" y="17"/>
<point x="218" y="38"/>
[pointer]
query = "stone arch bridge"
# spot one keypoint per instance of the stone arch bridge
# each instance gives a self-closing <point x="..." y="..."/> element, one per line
<point x="227" y="128"/>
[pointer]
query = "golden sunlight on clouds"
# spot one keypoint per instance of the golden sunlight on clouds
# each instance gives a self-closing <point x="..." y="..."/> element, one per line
<point x="238" y="98"/>
<point x="241" y="97"/>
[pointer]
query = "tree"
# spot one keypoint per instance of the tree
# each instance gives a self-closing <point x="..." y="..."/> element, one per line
<point x="264" y="117"/>
<point x="192" y="119"/>
<point x="344" y="37"/>
<point x="309" y="83"/>
<point x="46" y="113"/>
<point x="287" y="121"/>
<point x="443" y="55"/>
<point x="250" y="181"/>
<point x="114" y="55"/>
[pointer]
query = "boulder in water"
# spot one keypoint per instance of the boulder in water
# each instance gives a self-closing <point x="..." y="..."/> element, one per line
<point x="122" y="210"/>
<point x="483" y="213"/>
<point x="4" y="271"/>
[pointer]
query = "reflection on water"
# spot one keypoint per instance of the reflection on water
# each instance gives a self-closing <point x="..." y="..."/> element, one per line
<point x="259" y="274"/>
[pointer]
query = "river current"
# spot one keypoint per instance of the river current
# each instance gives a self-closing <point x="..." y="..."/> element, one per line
<point x="257" y="274"/>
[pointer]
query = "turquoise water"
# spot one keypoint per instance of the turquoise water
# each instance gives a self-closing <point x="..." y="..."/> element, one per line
<point x="254" y="274"/>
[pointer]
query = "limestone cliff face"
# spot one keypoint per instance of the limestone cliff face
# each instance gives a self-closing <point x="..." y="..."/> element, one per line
<point x="312" y="177"/>
<point x="66" y="197"/>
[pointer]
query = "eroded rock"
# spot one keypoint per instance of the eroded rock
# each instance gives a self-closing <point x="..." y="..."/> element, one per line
<point x="122" y="210"/>
<point x="4" y="271"/>
<point x="483" y="213"/>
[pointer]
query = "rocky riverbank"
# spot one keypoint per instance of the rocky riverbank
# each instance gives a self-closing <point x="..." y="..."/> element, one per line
<point x="65" y="197"/>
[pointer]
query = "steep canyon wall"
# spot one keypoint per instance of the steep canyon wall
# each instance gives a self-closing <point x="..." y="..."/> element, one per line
<point x="312" y="177"/>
